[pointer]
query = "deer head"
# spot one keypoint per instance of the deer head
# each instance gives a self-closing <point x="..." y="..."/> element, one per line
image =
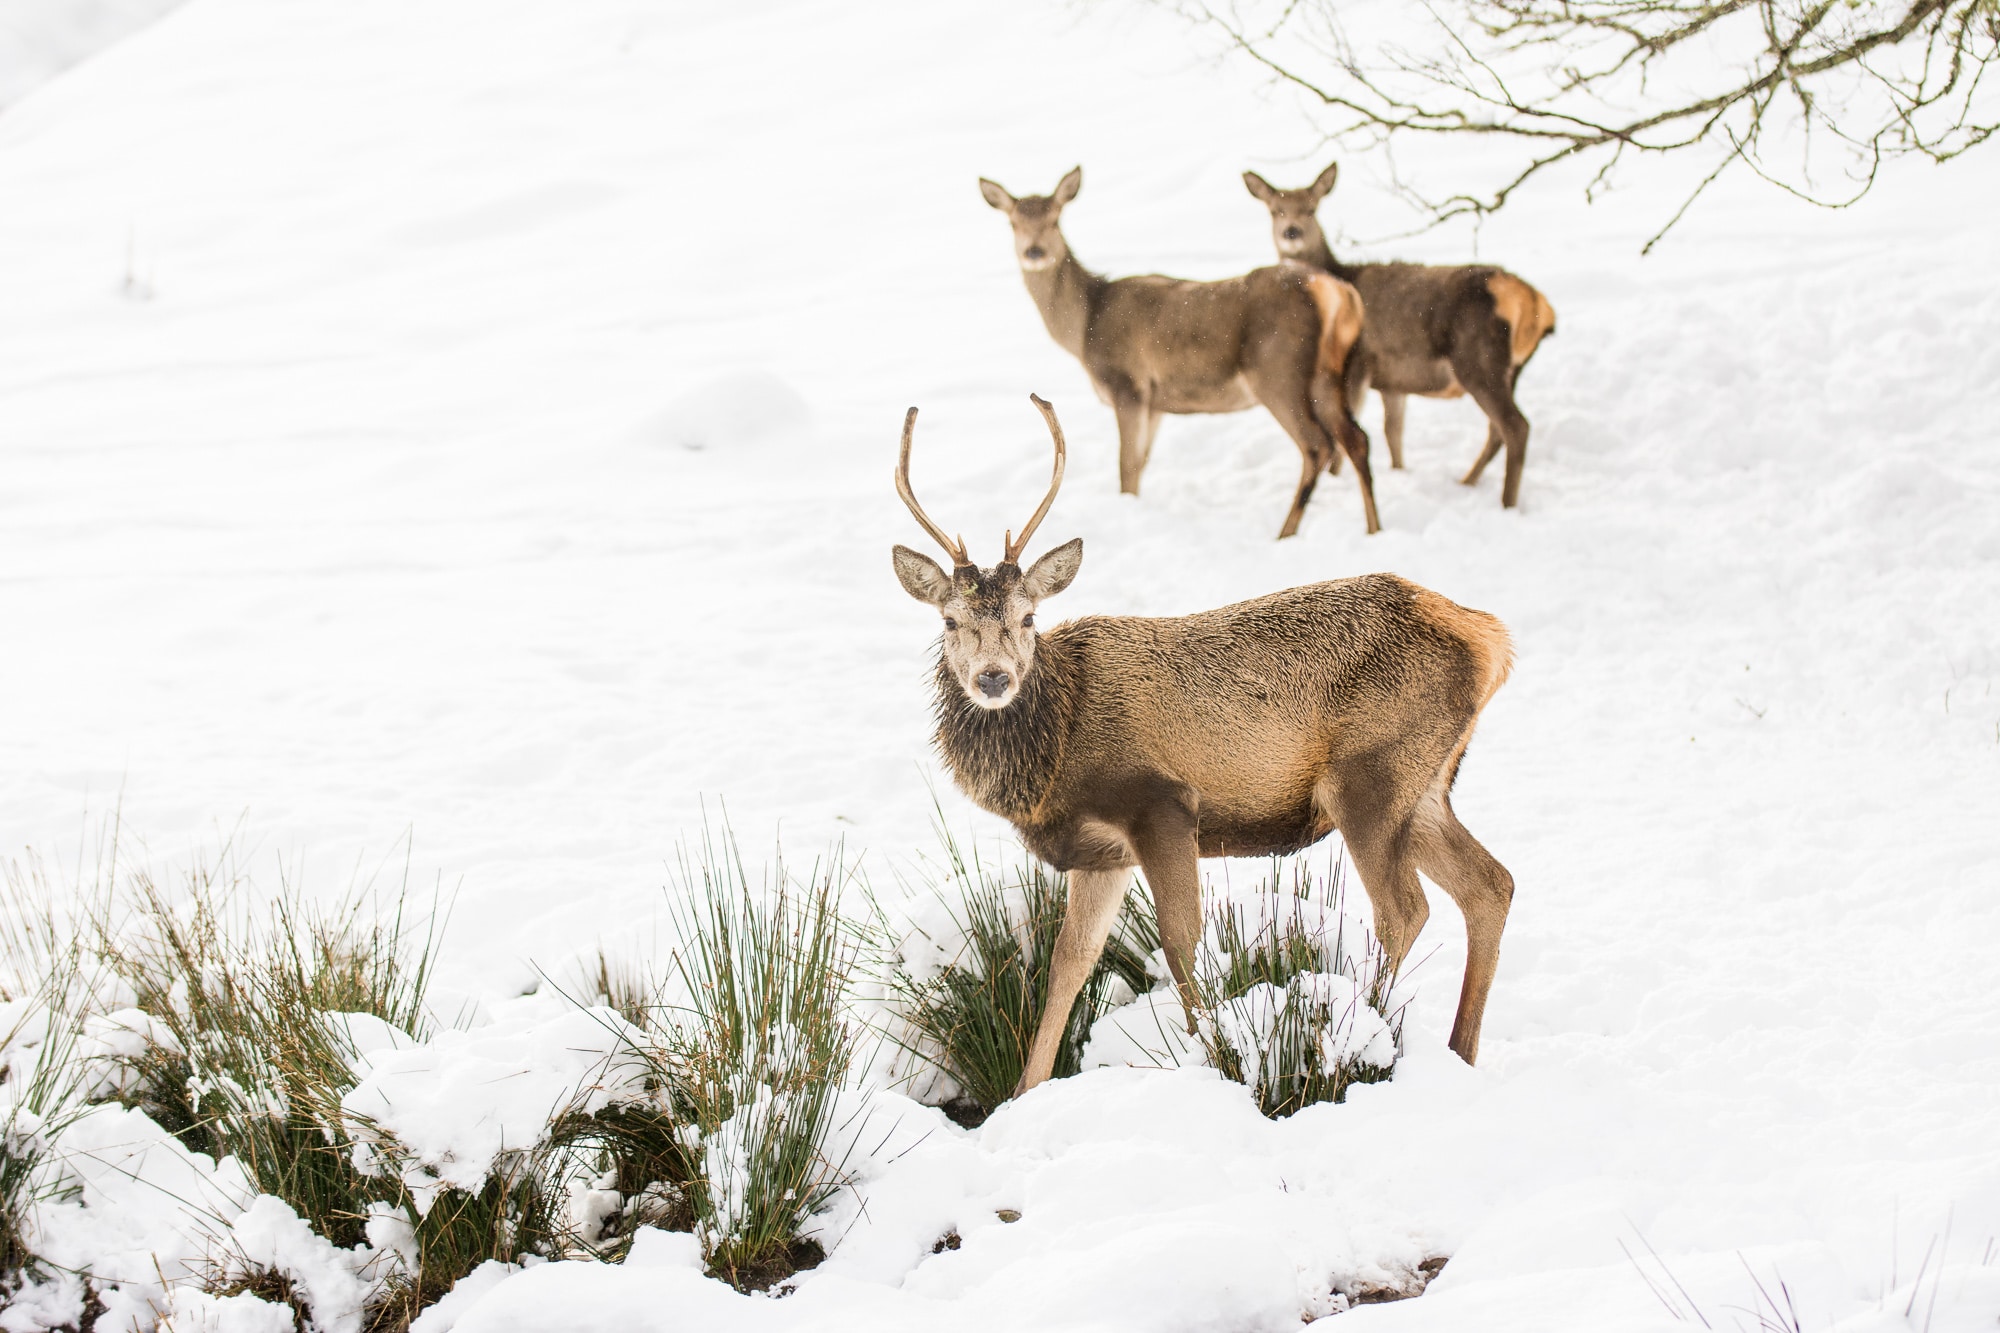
<point x="989" y="614"/>
<point x="1294" y="220"/>
<point x="1038" y="238"/>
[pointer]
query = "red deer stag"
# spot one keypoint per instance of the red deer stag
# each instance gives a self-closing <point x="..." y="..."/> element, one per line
<point x="1278" y="336"/>
<point x="1430" y="330"/>
<point x="1250" y="730"/>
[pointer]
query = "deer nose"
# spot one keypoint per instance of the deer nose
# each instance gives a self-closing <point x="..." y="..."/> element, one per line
<point x="1293" y="233"/>
<point x="993" y="684"/>
<point x="1035" y="252"/>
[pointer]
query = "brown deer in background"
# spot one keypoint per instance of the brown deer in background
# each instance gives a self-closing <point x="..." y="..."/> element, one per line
<point x="1278" y="336"/>
<point x="1250" y="730"/>
<point x="1430" y="330"/>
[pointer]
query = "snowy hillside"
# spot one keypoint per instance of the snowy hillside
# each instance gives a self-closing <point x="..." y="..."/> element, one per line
<point x="476" y="422"/>
<point x="39" y="39"/>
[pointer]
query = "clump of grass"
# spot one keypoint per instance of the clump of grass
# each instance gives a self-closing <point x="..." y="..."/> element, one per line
<point x="634" y="1163"/>
<point x="625" y="1167"/>
<point x="257" y="1059"/>
<point x="254" y="1007"/>
<point x="977" y="1016"/>
<point x="1291" y="1007"/>
<point x="1289" y="1001"/>
<point x="47" y="978"/>
<point x="757" y="1058"/>
<point x="506" y="1219"/>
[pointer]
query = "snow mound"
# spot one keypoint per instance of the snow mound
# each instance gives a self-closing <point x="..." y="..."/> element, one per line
<point x="442" y="1114"/>
<point x="736" y="410"/>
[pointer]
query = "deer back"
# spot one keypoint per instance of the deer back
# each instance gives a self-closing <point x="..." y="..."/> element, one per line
<point x="1190" y="342"/>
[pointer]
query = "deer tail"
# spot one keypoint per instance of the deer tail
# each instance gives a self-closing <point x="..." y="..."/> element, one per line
<point x="1340" y="312"/>
<point x="1530" y="318"/>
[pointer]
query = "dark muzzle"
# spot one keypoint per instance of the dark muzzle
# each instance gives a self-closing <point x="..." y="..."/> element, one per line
<point x="993" y="684"/>
<point x="1036" y="252"/>
<point x="1293" y="233"/>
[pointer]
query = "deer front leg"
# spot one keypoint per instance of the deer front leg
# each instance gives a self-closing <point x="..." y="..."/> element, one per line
<point x="1152" y="433"/>
<point x="1094" y="898"/>
<point x="1392" y="424"/>
<point x="1135" y="439"/>
<point x="1168" y="853"/>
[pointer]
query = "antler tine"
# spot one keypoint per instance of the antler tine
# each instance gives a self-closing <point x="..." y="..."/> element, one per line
<point x="1014" y="548"/>
<point x="955" y="549"/>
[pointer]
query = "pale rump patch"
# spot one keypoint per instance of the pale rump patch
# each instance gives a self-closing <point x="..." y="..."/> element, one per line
<point x="1488" y="639"/>
<point x="1529" y="316"/>
<point x="1339" y="321"/>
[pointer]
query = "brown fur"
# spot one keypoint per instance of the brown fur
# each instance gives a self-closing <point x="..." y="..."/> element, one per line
<point x="1250" y="730"/>
<point x="1154" y="345"/>
<point x="1432" y="331"/>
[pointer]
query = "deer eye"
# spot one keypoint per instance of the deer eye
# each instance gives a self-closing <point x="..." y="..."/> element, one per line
<point x="949" y="623"/>
<point x="1028" y="621"/>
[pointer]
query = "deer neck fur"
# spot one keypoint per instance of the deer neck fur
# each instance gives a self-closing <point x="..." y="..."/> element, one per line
<point x="1322" y="257"/>
<point x="1065" y="293"/>
<point x="1007" y="759"/>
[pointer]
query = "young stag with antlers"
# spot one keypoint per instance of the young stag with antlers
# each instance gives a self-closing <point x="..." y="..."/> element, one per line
<point x="1278" y="336"/>
<point x="1430" y="330"/>
<point x="1250" y="730"/>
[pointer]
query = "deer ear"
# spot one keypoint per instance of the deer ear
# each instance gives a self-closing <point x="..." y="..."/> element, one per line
<point x="1053" y="572"/>
<point x="921" y="577"/>
<point x="1322" y="187"/>
<point x="1258" y="186"/>
<point x="996" y="196"/>
<point x="1067" y="187"/>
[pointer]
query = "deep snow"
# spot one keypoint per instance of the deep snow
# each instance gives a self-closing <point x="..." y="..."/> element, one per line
<point x="478" y="419"/>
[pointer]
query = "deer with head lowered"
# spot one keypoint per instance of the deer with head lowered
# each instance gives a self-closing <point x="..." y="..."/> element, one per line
<point x="1279" y="336"/>
<point x="1431" y="330"/>
<point x="1250" y="730"/>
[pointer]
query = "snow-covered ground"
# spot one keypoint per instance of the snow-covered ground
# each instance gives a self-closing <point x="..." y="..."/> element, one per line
<point x="39" y="39"/>
<point x="476" y="420"/>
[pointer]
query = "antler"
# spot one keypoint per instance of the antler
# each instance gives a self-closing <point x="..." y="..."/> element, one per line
<point x="1014" y="548"/>
<point x="955" y="549"/>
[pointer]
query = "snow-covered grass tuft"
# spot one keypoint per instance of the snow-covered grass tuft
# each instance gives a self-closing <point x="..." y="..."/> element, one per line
<point x="45" y="990"/>
<point x="237" y="1024"/>
<point x="1293" y="1008"/>
<point x="759" y="1053"/>
<point x="1295" y="999"/>
<point x="506" y="1219"/>
<point x="975" y="1013"/>
<point x="251" y="1022"/>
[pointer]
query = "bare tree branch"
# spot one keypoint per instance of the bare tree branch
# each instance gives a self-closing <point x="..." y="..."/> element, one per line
<point x="1779" y="87"/>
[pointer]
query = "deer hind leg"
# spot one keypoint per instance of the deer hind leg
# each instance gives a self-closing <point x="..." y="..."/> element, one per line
<point x="1315" y="417"/>
<point x="1295" y="414"/>
<point x="1378" y="842"/>
<point x="1094" y="898"/>
<point x="1483" y="890"/>
<point x="1169" y="854"/>
<point x="1494" y="440"/>
<point x="1392" y="424"/>
<point x="1337" y="418"/>
<point x="1486" y="455"/>
<point x="1488" y="375"/>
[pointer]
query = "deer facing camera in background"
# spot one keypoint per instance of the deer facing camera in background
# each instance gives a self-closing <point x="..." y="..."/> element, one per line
<point x="1279" y="336"/>
<point x="1430" y="330"/>
<point x="1251" y="730"/>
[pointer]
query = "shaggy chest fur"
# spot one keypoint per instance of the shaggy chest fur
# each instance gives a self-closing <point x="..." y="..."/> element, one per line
<point x="1007" y="759"/>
